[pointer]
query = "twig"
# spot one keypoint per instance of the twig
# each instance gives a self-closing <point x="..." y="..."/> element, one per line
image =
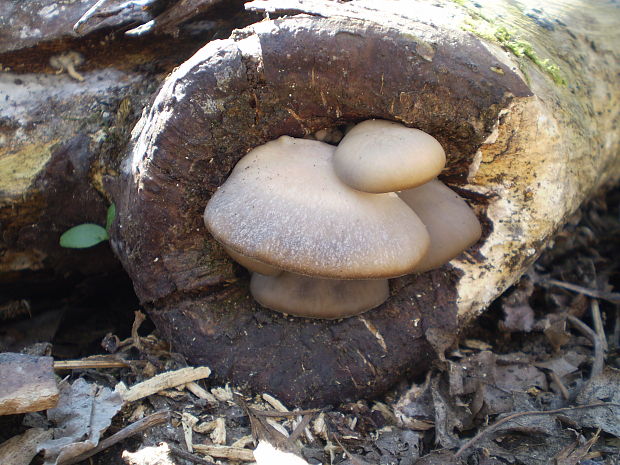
<point x="504" y="420"/>
<point x="135" y="428"/>
<point x="139" y="318"/>
<point x="191" y="457"/>
<point x="613" y="297"/>
<point x="300" y="427"/>
<point x="599" y="355"/>
<point x="354" y="460"/>
<point x="166" y="380"/>
<point x="556" y="379"/>
<point x="225" y="452"/>
<point x="84" y="364"/>
<point x="598" y="323"/>
<point x="266" y="413"/>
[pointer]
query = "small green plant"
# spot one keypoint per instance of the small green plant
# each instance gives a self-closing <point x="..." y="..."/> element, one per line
<point x="87" y="235"/>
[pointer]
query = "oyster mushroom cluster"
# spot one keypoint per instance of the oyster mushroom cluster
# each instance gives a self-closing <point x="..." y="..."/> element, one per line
<point x="322" y="228"/>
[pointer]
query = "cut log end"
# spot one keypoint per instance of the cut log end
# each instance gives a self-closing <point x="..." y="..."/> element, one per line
<point x="296" y="75"/>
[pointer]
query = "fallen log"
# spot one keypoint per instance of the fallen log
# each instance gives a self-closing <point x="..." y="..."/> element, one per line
<point x="68" y="102"/>
<point x="524" y="102"/>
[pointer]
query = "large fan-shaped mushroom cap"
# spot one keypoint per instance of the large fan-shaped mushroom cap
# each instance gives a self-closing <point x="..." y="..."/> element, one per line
<point x="283" y="205"/>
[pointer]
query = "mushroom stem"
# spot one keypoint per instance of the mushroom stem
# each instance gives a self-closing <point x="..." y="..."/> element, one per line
<point x="309" y="297"/>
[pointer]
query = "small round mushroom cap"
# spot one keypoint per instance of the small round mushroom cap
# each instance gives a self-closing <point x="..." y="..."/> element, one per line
<point x="383" y="156"/>
<point x="252" y="264"/>
<point x="451" y="223"/>
<point x="308" y="297"/>
<point x="284" y="206"/>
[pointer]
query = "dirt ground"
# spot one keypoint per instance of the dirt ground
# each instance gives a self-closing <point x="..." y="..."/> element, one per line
<point x="535" y="380"/>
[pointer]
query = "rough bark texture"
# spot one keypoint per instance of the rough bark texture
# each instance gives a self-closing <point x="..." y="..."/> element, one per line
<point x="507" y="138"/>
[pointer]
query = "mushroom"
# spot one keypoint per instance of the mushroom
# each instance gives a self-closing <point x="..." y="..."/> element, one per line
<point x="316" y="297"/>
<point x="284" y="206"/>
<point x="451" y="223"/>
<point x="322" y="228"/>
<point x="382" y="156"/>
<point x="68" y="61"/>
<point x="253" y="264"/>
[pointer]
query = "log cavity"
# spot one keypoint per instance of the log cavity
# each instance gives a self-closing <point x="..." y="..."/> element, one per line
<point x="293" y="76"/>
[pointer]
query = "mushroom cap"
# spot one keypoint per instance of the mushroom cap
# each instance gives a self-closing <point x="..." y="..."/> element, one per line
<point x="451" y="223"/>
<point x="252" y="264"/>
<point x="383" y="156"/>
<point x="308" y="297"/>
<point x="284" y="206"/>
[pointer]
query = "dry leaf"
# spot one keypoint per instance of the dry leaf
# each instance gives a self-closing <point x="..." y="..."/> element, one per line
<point x="83" y="413"/>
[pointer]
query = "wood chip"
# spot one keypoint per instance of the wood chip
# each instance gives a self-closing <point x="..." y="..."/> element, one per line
<point x="275" y="403"/>
<point x="225" y="452"/>
<point x="243" y="441"/>
<point x="218" y="436"/>
<point x="27" y="383"/>
<point x="162" y="381"/>
<point x="223" y="394"/>
<point x="188" y="421"/>
<point x="205" y="427"/>
<point x="200" y="392"/>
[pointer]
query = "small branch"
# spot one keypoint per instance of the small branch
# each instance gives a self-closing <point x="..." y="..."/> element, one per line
<point x="139" y="318"/>
<point x="613" y="297"/>
<point x="135" y="428"/>
<point x="556" y="379"/>
<point x="191" y="457"/>
<point x="166" y="380"/>
<point x="300" y="427"/>
<point x="599" y="355"/>
<point x="598" y="323"/>
<point x="505" y="420"/>
<point x="84" y="364"/>
<point x="265" y="413"/>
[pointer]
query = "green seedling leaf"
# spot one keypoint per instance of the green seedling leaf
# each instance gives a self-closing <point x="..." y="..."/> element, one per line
<point x="83" y="236"/>
<point x="110" y="217"/>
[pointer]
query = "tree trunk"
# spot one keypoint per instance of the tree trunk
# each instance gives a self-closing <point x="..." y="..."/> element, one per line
<point x="524" y="101"/>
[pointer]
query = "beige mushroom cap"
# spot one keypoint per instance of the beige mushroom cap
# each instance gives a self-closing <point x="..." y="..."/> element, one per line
<point x="303" y="296"/>
<point x="383" y="156"/>
<point x="284" y="206"/>
<point x="252" y="264"/>
<point x="451" y="223"/>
